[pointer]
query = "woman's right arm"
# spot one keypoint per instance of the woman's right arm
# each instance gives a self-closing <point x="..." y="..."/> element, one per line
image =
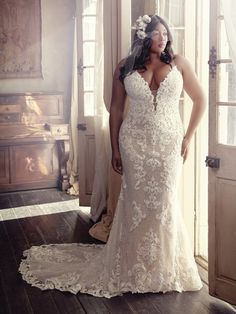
<point x="116" y="118"/>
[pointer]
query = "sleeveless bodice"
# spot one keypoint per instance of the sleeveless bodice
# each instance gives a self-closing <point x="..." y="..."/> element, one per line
<point x="143" y="119"/>
<point x="142" y="112"/>
<point x="140" y="94"/>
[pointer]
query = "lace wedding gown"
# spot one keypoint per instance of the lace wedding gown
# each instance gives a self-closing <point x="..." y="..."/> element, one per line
<point x="148" y="249"/>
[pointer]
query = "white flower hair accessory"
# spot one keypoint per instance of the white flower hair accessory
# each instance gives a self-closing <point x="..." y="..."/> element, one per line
<point x="140" y="26"/>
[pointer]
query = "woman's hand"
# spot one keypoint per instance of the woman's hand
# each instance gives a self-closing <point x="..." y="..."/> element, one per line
<point x="116" y="162"/>
<point x="185" y="148"/>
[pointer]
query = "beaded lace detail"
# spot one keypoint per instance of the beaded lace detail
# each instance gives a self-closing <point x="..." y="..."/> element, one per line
<point x="148" y="249"/>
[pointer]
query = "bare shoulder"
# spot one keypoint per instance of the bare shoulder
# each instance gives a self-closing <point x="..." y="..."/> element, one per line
<point x="191" y="83"/>
<point x="182" y="63"/>
<point x="122" y="62"/>
<point x="117" y="69"/>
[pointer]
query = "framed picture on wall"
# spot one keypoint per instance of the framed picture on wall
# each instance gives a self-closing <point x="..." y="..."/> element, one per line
<point x="20" y="39"/>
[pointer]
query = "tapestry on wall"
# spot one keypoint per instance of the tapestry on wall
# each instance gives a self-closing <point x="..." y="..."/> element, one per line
<point x="20" y="39"/>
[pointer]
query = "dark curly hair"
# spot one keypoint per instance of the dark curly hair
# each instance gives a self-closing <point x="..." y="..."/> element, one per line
<point x="138" y="62"/>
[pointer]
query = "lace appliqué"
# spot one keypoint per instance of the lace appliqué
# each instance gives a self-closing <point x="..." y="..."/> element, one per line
<point x="148" y="248"/>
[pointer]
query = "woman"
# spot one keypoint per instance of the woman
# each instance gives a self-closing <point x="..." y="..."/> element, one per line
<point x="148" y="249"/>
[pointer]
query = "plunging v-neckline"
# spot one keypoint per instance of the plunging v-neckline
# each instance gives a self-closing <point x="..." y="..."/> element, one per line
<point x="161" y="83"/>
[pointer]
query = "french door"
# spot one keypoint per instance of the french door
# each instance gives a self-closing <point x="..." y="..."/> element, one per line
<point x="86" y="29"/>
<point x="221" y="162"/>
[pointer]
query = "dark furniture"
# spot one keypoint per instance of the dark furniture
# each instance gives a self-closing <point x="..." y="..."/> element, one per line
<point x="34" y="141"/>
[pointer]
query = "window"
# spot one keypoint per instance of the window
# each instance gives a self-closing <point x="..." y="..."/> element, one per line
<point x="87" y="62"/>
<point x="227" y="91"/>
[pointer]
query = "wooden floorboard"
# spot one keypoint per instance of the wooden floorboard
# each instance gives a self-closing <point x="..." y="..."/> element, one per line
<point x="4" y="301"/>
<point x="23" y="198"/>
<point x="177" y="303"/>
<point x="92" y="304"/>
<point x="67" y="302"/>
<point x="39" y="300"/>
<point x="16" y="296"/>
<point x="5" y="201"/>
<point x="138" y="304"/>
<point x="79" y="228"/>
<point x="14" y="290"/>
<point x="118" y="305"/>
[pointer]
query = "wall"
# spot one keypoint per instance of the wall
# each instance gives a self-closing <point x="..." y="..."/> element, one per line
<point x="57" y="41"/>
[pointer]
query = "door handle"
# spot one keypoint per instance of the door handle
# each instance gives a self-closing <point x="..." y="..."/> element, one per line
<point x="212" y="162"/>
<point x="81" y="67"/>
<point x="82" y="127"/>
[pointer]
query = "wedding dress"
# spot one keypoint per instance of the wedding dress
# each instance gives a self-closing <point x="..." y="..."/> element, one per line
<point x="148" y="249"/>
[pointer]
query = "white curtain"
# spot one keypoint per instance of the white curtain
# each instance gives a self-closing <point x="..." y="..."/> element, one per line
<point x="106" y="182"/>
<point x="102" y="141"/>
<point x="72" y="164"/>
<point x="229" y="12"/>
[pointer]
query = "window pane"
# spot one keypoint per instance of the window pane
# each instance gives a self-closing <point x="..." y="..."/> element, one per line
<point x="89" y="6"/>
<point x="89" y="53"/>
<point x="178" y="41"/>
<point x="227" y="125"/>
<point x="177" y="12"/>
<point x="89" y="109"/>
<point x="89" y="27"/>
<point x="223" y="42"/>
<point x="89" y="79"/>
<point x="173" y="11"/>
<point x="227" y="82"/>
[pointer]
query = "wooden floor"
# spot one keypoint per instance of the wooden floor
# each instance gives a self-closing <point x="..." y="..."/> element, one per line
<point x="16" y="296"/>
<point x="24" y="198"/>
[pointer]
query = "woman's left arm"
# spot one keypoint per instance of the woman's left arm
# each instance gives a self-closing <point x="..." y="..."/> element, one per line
<point x="194" y="90"/>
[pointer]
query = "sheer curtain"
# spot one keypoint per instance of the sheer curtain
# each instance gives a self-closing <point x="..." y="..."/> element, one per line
<point x="102" y="158"/>
<point x="229" y="12"/>
<point x="106" y="186"/>
<point x="72" y="164"/>
<point x="107" y="48"/>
